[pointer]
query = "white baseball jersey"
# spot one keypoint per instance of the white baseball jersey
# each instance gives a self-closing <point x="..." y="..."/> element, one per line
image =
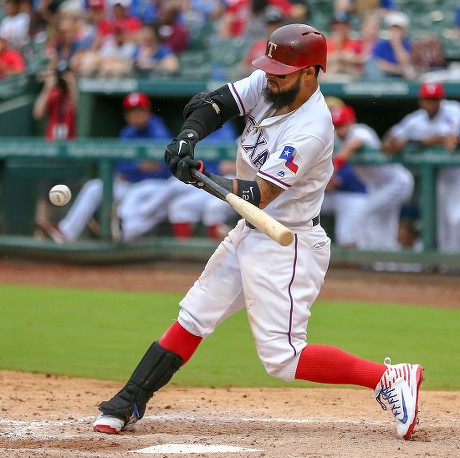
<point x="418" y="126"/>
<point x="389" y="186"/>
<point x="378" y="174"/>
<point x="277" y="285"/>
<point x="292" y="151"/>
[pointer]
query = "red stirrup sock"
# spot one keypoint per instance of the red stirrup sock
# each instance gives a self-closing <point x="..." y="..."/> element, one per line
<point x="327" y="364"/>
<point x="182" y="230"/>
<point x="180" y="341"/>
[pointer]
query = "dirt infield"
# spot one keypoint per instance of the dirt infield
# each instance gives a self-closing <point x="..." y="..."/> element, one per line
<point x="49" y="416"/>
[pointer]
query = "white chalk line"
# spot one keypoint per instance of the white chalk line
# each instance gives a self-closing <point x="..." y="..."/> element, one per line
<point x="43" y="429"/>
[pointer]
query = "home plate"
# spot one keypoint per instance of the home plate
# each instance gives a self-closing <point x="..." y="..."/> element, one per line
<point x="193" y="448"/>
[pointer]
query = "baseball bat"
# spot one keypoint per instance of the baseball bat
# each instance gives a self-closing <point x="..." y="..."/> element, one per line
<point x="254" y="215"/>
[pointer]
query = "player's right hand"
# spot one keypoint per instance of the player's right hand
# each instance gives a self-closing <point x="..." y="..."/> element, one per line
<point x="183" y="146"/>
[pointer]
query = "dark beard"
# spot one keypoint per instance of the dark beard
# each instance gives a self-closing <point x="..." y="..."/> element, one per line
<point x="283" y="98"/>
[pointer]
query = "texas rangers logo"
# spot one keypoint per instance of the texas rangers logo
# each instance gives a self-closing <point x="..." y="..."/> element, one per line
<point x="288" y="154"/>
<point x="270" y="48"/>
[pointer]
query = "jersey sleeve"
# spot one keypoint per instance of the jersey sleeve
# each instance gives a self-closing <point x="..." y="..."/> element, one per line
<point x="248" y="91"/>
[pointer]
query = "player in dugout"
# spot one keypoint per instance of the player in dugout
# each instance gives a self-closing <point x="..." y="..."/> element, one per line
<point x="284" y="162"/>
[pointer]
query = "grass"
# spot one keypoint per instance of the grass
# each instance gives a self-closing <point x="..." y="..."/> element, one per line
<point x="103" y="334"/>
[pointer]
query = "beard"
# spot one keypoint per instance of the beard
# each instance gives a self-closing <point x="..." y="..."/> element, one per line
<point x="282" y="98"/>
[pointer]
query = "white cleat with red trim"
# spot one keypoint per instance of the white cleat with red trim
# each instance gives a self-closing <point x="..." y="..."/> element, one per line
<point x="109" y="424"/>
<point x="399" y="386"/>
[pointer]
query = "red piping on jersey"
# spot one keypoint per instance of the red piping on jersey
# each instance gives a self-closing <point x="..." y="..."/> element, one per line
<point x="239" y="98"/>
<point x="291" y="312"/>
<point x="273" y="178"/>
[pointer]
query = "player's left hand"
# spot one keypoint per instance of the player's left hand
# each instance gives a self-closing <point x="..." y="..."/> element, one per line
<point x="184" y="170"/>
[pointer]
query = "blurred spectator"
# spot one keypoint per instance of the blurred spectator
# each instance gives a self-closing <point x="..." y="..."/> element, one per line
<point x="114" y="58"/>
<point x="94" y="14"/>
<point x="141" y="124"/>
<point x="362" y="7"/>
<point x="341" y="48"/>
<point x="11" y="60"/>
<point x="345" y="193"/>
<point x="273" y="19"/>
<point x="15" y="24"/>
<point x="118" y="16"/>
<point x="68" y="37"/>
<point x="435" y="123"/>
<point x="245" y="17"/>
<point x="171" y="28"/>
<point x="389" y="186"/>
<point x="57" y="103"/>
<point x="370" y="27"/>
<point x="197" y="13"/>
<point x="391" y="57"/>
<point x="151" y="56"/>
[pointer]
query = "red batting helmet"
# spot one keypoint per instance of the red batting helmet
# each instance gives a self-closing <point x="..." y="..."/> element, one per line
<point x="291" y="48"/>
<point x="343" y="115"/>
<point x="136" y="100"/>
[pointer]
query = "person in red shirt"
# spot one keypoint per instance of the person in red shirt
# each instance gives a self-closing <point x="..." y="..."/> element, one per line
<point x="11" y="60"/>
<point x="341" y="48"/>
<point x="57" y="103"/>
<point x="120" y="18"/>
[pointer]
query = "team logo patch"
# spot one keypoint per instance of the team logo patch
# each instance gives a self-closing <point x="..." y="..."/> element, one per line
<point x="288" y="155"/>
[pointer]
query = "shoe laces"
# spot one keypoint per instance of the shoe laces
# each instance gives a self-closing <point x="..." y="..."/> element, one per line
<point x="388" y="394"/>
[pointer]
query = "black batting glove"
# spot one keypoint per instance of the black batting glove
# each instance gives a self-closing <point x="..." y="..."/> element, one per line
<point x="183" y="146"/>
<point x="184" y="170"/>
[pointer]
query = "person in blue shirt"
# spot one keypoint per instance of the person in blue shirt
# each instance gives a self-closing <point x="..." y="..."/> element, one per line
<point x="391" y="57"/>
<point x="141" y="124"/>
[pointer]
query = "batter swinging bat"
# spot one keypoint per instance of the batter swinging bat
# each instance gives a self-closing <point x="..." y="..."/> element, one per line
<point x="254" y="215"/>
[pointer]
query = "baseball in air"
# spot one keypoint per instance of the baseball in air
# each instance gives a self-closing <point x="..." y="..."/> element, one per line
<point x="60" y="195"/>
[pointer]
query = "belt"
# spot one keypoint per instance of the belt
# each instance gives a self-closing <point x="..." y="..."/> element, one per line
<point x="314" y="222"/>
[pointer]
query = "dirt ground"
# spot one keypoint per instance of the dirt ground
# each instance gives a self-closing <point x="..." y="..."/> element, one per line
<point x="49" y="416"/>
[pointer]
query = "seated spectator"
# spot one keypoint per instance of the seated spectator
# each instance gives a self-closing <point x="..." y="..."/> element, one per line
<point x="241" y="13"/>
<point x="118" y="16"/>
<point x="363" y="7"/>
<point x="197" y="13"/>
<point x="341" y="48"/>
<point x="11" y="61"/>
<point x="391" y="57"/>
<point x="151" y="56"/>
<point x="171" y="28"/>
<point x="15" y="24"/>
<point x="141" y="124"/>
<point x="113" y="59"/>
<point x="68" y="38"/>
<point x="273" y="19"/>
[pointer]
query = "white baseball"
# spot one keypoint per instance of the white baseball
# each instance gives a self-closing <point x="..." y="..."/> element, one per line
<point x="60" y="195"/>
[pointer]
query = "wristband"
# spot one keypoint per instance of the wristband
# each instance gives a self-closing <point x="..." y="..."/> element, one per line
<point x="338" y="163"/>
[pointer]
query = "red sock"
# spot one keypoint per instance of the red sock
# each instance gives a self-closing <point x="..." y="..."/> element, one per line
<point x="327" y="364"/>
<point x="182" y="230"/>
<point x="212" y="232"/>
<point x="180" y="341"/>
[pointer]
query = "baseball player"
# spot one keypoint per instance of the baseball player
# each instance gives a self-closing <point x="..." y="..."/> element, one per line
<point x="141" y="124"/>
<point x="345" y="193"/>
<point x="435" y="123"/>
<point x="284" y="161"/>
<point x="389" y="186"/>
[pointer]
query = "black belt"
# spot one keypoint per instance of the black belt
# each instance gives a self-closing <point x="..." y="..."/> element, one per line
<point x="314" y="222"/>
